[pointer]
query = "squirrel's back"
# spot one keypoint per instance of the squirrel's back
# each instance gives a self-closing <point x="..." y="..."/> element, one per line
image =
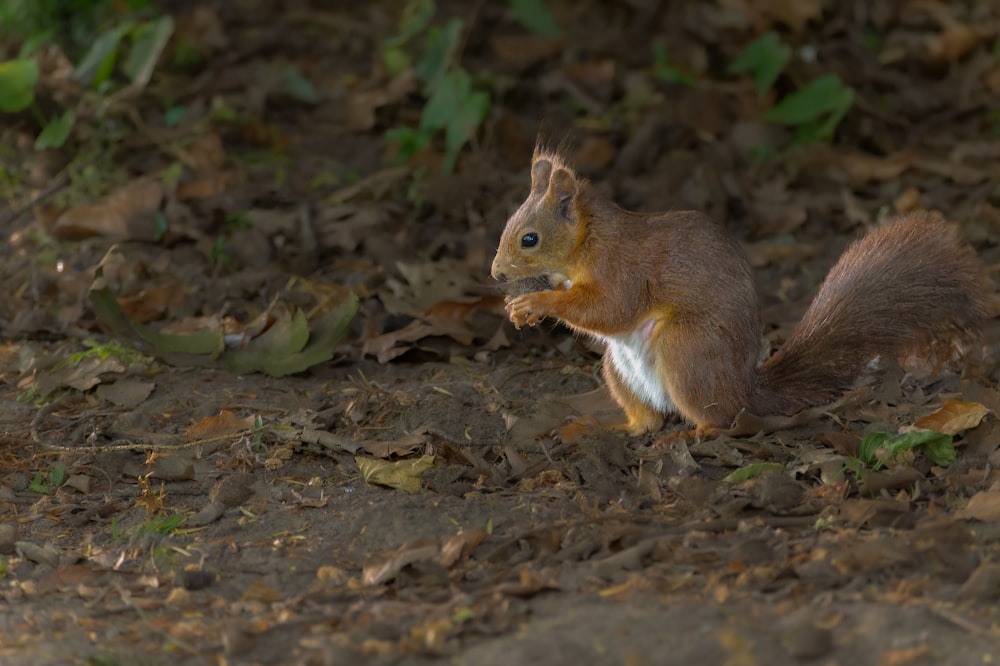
<point x="908" y="282"/>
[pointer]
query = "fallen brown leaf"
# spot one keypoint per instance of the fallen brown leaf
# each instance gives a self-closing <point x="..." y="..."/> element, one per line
<point x="983" y="506"/>
<point x="952" y="417"/>
<point x="115" y="215"/>
<point x="222" y="424"/>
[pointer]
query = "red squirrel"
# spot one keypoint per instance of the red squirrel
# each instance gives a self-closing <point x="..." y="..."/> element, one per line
<point x="672" y="296"/>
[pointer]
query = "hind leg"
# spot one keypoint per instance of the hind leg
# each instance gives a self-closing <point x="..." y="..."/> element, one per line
<point x="641" y="417"/>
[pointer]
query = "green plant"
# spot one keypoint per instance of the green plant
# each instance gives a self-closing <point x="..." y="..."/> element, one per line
<point x="136" y="43"/>
<point x="46" y="483"/>
<point x="165" y="525"/>
<point x="71" y="23"/>
<point x="233" y="222"/>
<point x="814" y="110"/>
<point x="882" y="449"/>
<point x="764" y="59"/>
<point x="102" y="351"/>
<point x="457" y="103"/>
<point x="116" y="530"/>
<point x="663" y="70"/>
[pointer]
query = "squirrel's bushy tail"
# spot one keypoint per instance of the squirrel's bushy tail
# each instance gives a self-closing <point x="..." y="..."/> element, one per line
<point x="910" y="281"/>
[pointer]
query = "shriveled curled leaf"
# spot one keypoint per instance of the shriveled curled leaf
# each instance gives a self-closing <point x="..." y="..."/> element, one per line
<point x="953" y="417"/>
<point x="402" y="474"/>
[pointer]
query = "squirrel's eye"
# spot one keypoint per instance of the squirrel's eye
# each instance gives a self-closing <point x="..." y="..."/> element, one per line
<point x="529" y="240"/>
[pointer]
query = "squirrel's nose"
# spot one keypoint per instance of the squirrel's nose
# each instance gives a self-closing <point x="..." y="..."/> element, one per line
<point x="500" y="277"/>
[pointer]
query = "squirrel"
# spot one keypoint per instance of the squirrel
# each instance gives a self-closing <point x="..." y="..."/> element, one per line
<point x="672" y="296"/>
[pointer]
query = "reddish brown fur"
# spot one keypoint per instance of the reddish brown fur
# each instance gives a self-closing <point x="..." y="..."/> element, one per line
<point x="909" y="281"/>
<point x="912" y="278"/>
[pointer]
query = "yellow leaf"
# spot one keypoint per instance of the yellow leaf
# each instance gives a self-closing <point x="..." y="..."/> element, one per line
<point x="403" y="474"/>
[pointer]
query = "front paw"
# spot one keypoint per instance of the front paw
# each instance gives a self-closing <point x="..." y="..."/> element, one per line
<point x="525" y="310"/>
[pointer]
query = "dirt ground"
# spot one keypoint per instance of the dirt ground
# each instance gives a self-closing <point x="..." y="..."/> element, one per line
<point x="422" y="494"/>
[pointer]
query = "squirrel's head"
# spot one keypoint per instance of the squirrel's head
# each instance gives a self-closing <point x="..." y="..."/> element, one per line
<point x="542" y="236"/>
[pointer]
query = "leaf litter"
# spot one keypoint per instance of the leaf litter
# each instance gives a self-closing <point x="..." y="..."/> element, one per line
<point x="284" y="419"/>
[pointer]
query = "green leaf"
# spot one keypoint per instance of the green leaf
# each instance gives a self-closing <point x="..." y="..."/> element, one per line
<point x="160" y="226"/>
<point x="300" y="87"/>
<point x="471" y="113"/>
<point x="149" y="40"/>
<point x="448" y="95"/>
<point x="35" y="41"/>
<point x="818" y="97"/>
<point x="824" y="129"/>
<point x="173" y="116"/>
<point x="17" y="84"/>
<point x="97" y="64"/>
<point x="879" y="447"/>
<point x="752" y="471"/>
<point x="535" y="16"/>
<point x="765" y="58"/>
<point x="198" y="348"/>
<point x="395" y="60"/>
<point x="285" y="337"/>
<point x="417" y="15"/>
<point x="409" y="141"/>
<point x="440" y="46"/>
<point x="57" y="475"/>
<point x="55" y="133"/>
<point x="282" y="349"/>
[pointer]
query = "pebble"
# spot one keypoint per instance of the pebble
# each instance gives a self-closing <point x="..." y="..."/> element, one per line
<point x="8" y="536"/>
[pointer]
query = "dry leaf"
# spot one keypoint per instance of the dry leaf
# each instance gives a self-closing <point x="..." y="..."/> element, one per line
<point x="222" y="424"/>
<point x="205" y="155"/>
<point x="954" y="42"/>
<point x="984" y="506"/>
<point x="397" y="447"/>
<point x="84" y="375"/>
<point x="382" y="567"/>
<point x="153" y="302"/>
<point x="460" y="546"/>
<point x="445" y="318"/>
<point x="128" y="392"/>
<point x="952" y="417"/>
<point x="767" y="252"/>
<point x="209" y="185"/>
<point x="863" y="168"/>
<point x="794" y="13"/>
<point x="523" y="50"/>
<point x="402" y="474"/>
<point x="115" y="215"/>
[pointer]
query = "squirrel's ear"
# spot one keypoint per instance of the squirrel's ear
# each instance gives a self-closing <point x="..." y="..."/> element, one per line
<point x="563" y="185"/>
<point x="541" y="170"/>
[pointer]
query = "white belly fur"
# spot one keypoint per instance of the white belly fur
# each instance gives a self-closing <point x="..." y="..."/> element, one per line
<point x="632" y="357"/>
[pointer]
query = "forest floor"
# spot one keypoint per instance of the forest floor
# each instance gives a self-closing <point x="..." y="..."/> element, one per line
<point x="414" y="497"/>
